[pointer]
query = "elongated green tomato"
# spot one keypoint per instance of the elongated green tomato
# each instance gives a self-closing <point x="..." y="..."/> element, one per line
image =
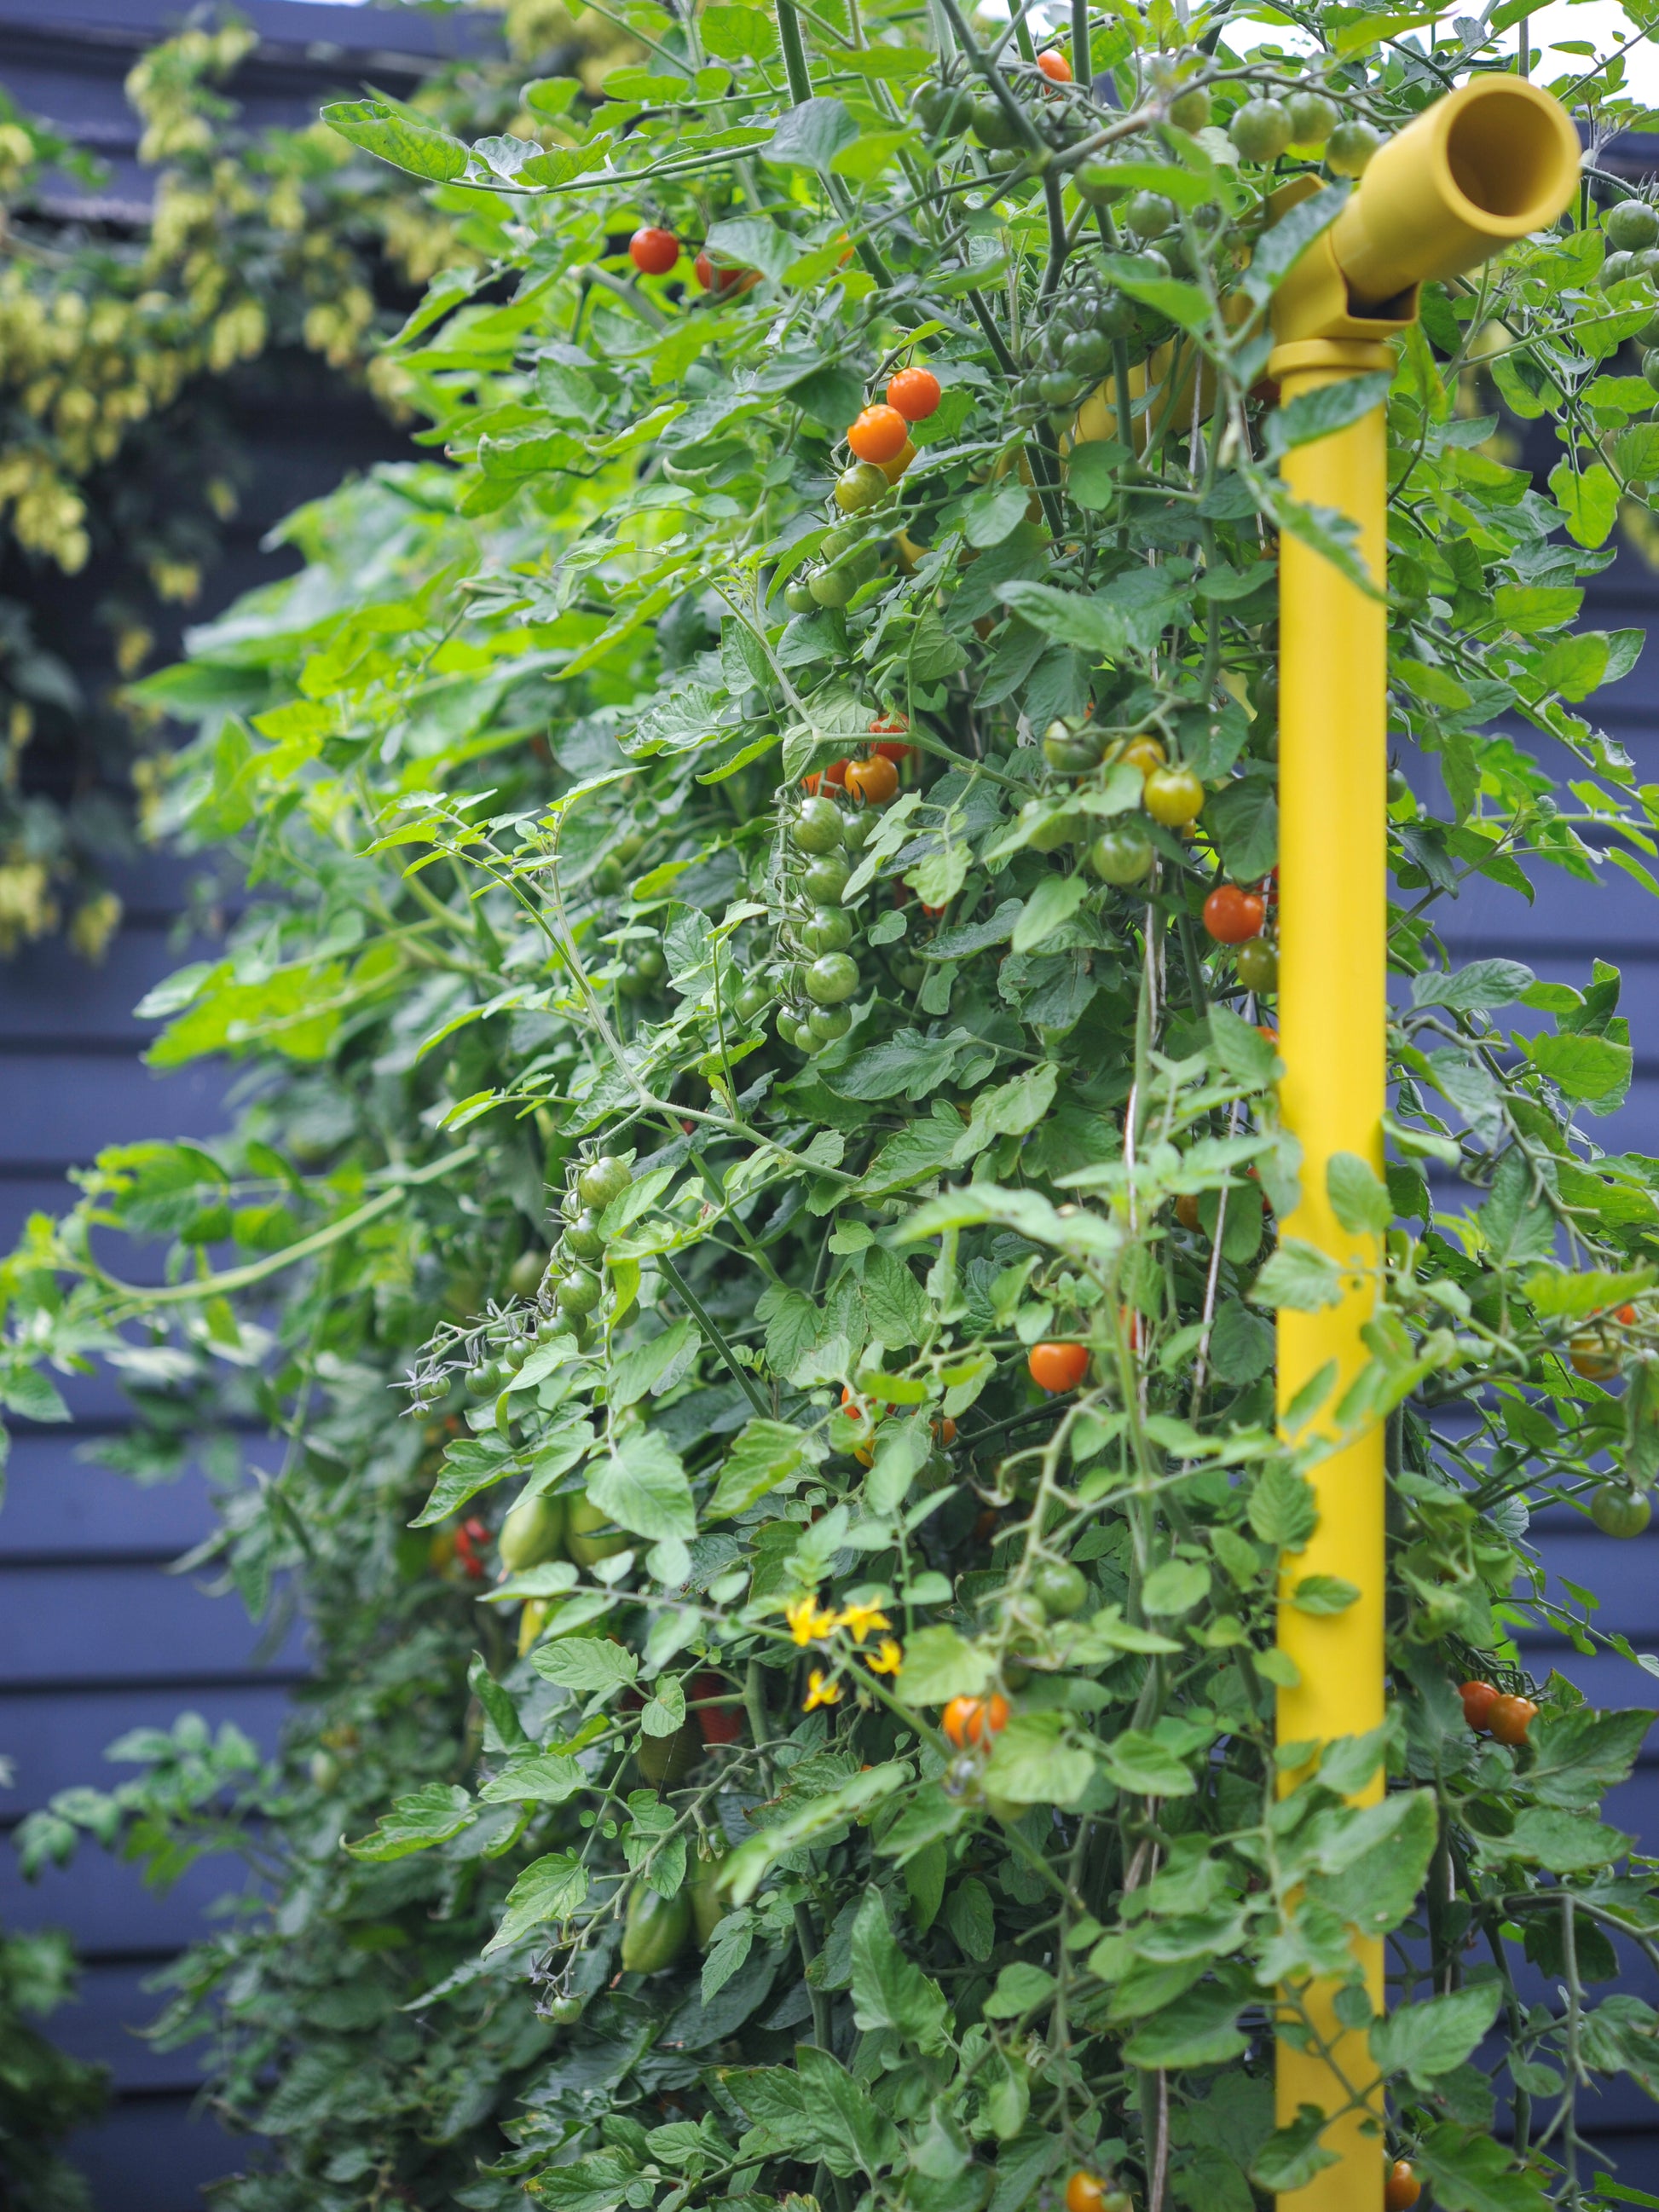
<point x="603" y="1180"/>
<point x="816" y="825"/>
<point x="828" y="929"/>
<point x="709" y="1907"/>
<point x="1618" y="1511"/>
<point x="1122" y="853"/>
<point x="665" y="1760"/>
<point x="831" y="978"/>
<point x="654" y="1931"/>
<point x="533" y="1531"/>
<point x="589" y="1533"/>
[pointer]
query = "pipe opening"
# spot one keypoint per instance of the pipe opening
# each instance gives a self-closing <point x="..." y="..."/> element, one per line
<point x="1504" y="153"/>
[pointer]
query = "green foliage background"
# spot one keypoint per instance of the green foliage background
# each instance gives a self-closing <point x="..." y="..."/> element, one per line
<point x="514" y="769"/>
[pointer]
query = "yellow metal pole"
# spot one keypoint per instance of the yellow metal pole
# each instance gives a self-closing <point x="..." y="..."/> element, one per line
<point x="1492" y="161"/>
<point x="1333" y="901"/>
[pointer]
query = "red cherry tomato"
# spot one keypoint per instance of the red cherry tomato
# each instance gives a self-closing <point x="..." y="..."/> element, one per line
<point x="653" y="251"/>
<point x="719" y="1723"/>
<point x="1479" y="1698"/>
<point x="1402" y="2188"/>
<point x="974" y="1720"/>
<point x="1232" y="916"/>
<point x="888" y="742"/>
<point x="722" y="279"/>
<point x="1055" y="67"/>
<point x="879" y="435"/>
<point x="1511" y="1718"/>
<point x="915" y="392"/>
<point x="835" y="775"/>
<point x="1625" y="1315"/>
<point x="874" y="780"/>
<point x="1057" y="1367"/>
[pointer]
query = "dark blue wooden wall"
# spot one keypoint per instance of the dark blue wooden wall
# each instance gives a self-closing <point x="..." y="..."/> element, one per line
<point x="96" y="1638"/>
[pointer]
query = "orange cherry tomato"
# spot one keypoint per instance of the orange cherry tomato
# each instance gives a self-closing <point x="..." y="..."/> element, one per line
<point x="1186" y="1208"/>
<point x="1057" y="1367"/>
<point x="1588" y="1355"/>
<point x="1479" y="1698"/>
<point x="880" y="433"/>
<point x="1055" y="67"/>
<point x="722" y="279"/>
<point x="835" y="775"/>
<point x="874" y="780"/>
<point x="915" y="392"/>
<point x="1402" y="2188"/>
<point x="1085" y="2192"/>
<point x="1232" y="916"/>
<point x="1511" y="1718"/>
<point x="974" y="1720"/>
<point x="653" y="251"/>
<point x="1625" y="1315"/>
<point x="946" y="1430"/>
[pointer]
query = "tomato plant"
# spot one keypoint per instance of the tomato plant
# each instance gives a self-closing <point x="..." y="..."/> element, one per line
<point x="825" y="1225"/>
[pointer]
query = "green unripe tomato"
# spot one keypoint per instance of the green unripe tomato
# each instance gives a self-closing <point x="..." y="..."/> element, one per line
<point x="1098" y="183"/>
<point x="608" y="878"/>
<point x="1060" y="1589"/>
<point x="525" y="1274"/>
<point x="1313" y="117"/>
<point x="1190" y="110"/>
<point x="549" y="1327"/>
<point x="943" y="110"/>
<point x="1173" y="796"/>
<point x="798" y="595"/>
<point x="855" y="828"/>
<point x="655" y="1930"/>
<point x="709" y="1907"/>
<point x="1122" y="854"/>
<point x="790" y="1028"/>
<point x="1349" y="149"/>
<point x="1058" y="387"/>
<point x="753" y="1000"/>
<point x="1071" y="750"/>
<point x="1651" y="366"/>
<point x="860" y="486"/>
<point x="1260" y="130"/>
<point x="831" y="978"/>
<point x="485" y="1380"/>
<point x="816" y="827"/>
<point x="1149" y="215"/>
<point x="1616" y="1510"/>
<point x="824" y="879"/>
<point x="1052" y="833"/>
<point x="910" y="972"/>
<point x="825" y="1023"/>
<point x="1631" y="226"/>
<point x="1615" y="269"/>
<point x="584" y="1238"/>
<point x="580" y="1291"/>
<point x="1087" y="353"/>
<point x="324" y="1770"/>
<point x="1645" y="263"/>
<point x="589" y="1534"/>
<point x="832" y="588"/>
<point x="515" y="1354"/>
<point x="565" y="2011"/>
<point x="533" y="1531"/>
<point x="991" y="125"/>
<point x="828" y="929"/>
<point x="1257" y="964"/>
<point x="602" y="1179"/>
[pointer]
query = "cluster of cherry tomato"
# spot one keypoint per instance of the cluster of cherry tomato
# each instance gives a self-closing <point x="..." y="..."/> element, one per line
<point x="1594" y="1352"/>
<point x="1498" y="1713"/>
<point x="1236" y="915"/>
<point x="655" y="252"/>
<point x="461" y="1549"/>
<point x="880" y="444"/>
<point x="816" y="932"/>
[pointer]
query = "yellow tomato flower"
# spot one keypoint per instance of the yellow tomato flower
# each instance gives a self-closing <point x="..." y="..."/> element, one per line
<point x="861" y="1620"/>
<point x="820" y="1692"/>
<point x="887" y="1658"/>
<point x="808" y="1619"/>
